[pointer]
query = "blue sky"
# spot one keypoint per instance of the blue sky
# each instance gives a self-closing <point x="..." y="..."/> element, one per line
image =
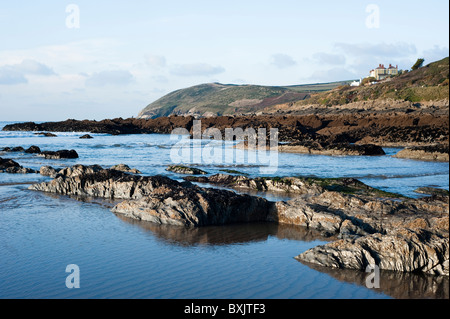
<point x="126" y="54"/>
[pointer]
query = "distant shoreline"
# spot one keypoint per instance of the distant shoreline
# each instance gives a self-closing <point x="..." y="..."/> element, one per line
<point x="407" y="128"/>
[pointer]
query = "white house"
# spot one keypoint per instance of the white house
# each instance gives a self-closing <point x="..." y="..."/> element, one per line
<point x="356" y="83"/>
<point x="382" y="72"/>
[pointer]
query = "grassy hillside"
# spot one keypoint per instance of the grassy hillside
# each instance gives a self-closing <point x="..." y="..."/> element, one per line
<point x="428" y="83"/>
<point x="224" y="99"/>
<point x="318" y="87"/>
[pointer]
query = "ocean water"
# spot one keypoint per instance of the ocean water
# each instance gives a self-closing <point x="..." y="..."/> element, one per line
<point x="40" y="234"/>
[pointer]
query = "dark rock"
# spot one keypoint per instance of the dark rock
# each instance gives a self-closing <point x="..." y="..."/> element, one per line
<point x="17" y="149"/>
<point x="404" y="250"/>
<point x="6" y="163"/>
<point x="195" y="206"/>
<point x="438" y="153"/>
<point x="12" y="167"/>
<point x="185" y="170"/>
<point x="296" y="185"/>
<point x="33" y="150"/>
<point x="87" y="136"/>
<point x="157" y="198"/>
<point x="62" y="154"/>
<point x="432" y="191"/>
<point x="396" y="234"/>
<point x="385" y="129"/>
<point x="19" y="170"/>
<point x="126" y="169"/>
<point x="411" y="235"/>
<point x="98" y="182"/>
<point x="48" y="171"/>
<point x="46" y="134"/>
<point x="325" y="148"/>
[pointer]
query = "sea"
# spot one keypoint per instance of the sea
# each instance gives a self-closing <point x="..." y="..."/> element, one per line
<point x="43" y="237"/>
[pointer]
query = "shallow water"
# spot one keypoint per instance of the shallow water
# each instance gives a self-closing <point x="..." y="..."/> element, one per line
<point x="40" y="234"/>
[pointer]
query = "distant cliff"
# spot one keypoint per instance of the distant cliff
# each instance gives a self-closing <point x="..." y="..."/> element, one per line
<point x="215" y="99"/>
<point x="426" y="87"/>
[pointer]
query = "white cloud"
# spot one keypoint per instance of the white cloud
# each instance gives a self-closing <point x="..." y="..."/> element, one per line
<point x="10" y="76"/>
<point x="196" y="69"/>
<point x="104" y="78"/>
<point x="16" y="73"/>
<point x="156" y="61"/>
<point x="33" y="67"/>
<point x="282" y="61"/>
<point x="329" y="58"/>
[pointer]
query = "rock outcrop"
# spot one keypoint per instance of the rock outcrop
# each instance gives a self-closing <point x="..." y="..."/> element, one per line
<point x="277" y="184"/>
<point x="432" y="191"/>
<point x="98" y="182"/>
<point x="371" y="227"/>
<point x="404" y="250"/>
<point x="62" y="154"/>
<point x="125" y="168"/>
<point x="33" y="150"/>
<point x="48" y="171"/>
<point x="157" y="198"/>
<point x="16" y="149"/>
<point x="86" y="136"/>
<point x="185" y="170"/>
<point x="294" y="185"/>
<point x="409" y="235"/>
<point x="383" y="128"/>
<point x="195" y="206"/>
<point x="333" y="149"/>
<point x="438" y="153"/>
<point x="46" y="134"/>
<point x="326" y="148"/>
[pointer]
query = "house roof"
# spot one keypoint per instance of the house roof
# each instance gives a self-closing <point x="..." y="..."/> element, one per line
<point x="382" y="67"/>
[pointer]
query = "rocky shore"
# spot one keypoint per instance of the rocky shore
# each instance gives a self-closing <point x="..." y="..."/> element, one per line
<point x="438" y="153"/>
<point x="12" y="167"/>
<point x="158" y="199"/>
<point x="400" y="128"/>
<point x="370" y="226"/>
<point x="185" y="170"/>
<point x="323" y="133"/>
<point x="324" y="148"/>
<point x="333" y="149"/>
<point x="61" y="154"/>
<point x="68" y="154"/>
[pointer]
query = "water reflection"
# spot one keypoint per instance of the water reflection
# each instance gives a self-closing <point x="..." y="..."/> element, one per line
<point x="224" y="235"/>
<point x="104" y="202"/>
<point x="395" y="284"/>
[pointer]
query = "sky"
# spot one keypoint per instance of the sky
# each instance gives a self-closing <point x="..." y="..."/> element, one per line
<point x="83" y="59"/>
